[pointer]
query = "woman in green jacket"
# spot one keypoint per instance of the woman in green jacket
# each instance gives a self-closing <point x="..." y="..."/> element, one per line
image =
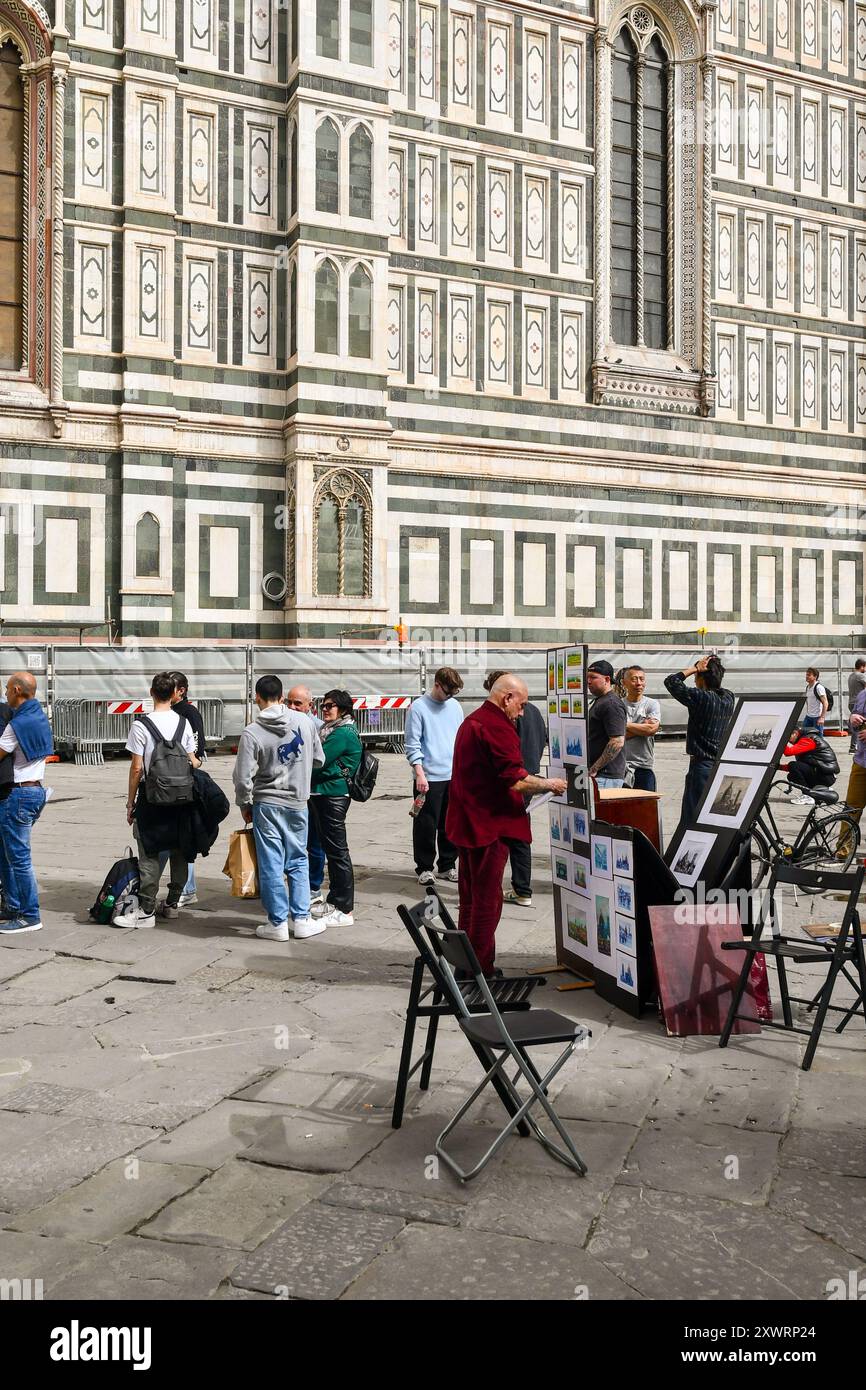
<point x="329" y="802"/>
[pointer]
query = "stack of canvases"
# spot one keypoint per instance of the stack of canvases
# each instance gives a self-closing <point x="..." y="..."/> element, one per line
<point x="736" y="789"/>
<point x="592" y="861"/>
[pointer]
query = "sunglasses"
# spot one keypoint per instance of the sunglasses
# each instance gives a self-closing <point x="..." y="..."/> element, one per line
<point x="329" y="705"/>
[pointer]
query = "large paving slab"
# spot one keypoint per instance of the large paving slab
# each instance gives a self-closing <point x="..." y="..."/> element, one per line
<point x="688" y="1156"/>
<point x="135" y="1269"/>
<point x="112" y="1202"/>
<point x="697" y="1248"/>
<point x="39" y="1170"/>
<point x="434" y="1262"/>
<point x="318" y="1252"/>
<point x="316" y="1141"/>
<point x="829" y="1203"/>
<point x="237" y="1206"/>
<point x="55" y="981"/>
<point x="213" y="1137"/>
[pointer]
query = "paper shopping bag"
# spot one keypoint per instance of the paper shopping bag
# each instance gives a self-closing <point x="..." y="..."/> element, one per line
<point x="240" y="865"/>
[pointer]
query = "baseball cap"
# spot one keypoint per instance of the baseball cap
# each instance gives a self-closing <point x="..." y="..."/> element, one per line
<point x="602" y="668"/>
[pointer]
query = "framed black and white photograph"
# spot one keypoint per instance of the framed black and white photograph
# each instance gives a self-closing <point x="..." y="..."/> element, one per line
<point x="760" y="729"/>
<point x="689" y="857"/>
<point x="730" y="794"/>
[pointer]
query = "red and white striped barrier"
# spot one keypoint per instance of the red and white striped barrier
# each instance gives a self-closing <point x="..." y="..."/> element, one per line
<point x="129" y="706"/>
<point x="381" y="701"/>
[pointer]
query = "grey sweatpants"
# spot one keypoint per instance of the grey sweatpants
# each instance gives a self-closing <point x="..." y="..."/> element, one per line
<point x="150" y="871"/>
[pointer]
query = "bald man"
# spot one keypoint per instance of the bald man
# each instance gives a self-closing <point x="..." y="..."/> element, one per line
<point x="486" y="811"/>
<point x="27" y="741"/>
<point x="300" y="698"/>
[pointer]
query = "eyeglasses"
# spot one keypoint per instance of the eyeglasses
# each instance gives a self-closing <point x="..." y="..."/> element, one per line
<point x="329" y="705"/>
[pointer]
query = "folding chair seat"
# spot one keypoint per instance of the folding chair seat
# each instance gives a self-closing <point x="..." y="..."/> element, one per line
<point x="848" y="950"/>
<point x="490" y="1032"/>
<point x="432" y="996"/>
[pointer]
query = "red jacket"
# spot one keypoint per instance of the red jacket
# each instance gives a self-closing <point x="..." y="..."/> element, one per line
<point x="487" y="762"/>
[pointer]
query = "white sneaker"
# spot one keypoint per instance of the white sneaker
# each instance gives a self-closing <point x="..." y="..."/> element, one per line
<point x="133" y="917"/>
<point x="306" y="926"/>
<point x="317" y="899"/>
<point x="186" y="898"/>
<point x="321" y="908"/>
<point x="427" y="878"/>
<point x="268" y="932"/>
<point x="802" y="801"/>
<point x="451" y="876"/>
<point x="335" y="918"/>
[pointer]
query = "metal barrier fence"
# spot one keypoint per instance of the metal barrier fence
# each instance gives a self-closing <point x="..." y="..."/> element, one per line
<point x="86" y="727"/>
<point x="227" y="675"/>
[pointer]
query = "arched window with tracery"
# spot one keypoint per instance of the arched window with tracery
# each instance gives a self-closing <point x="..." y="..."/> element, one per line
<point x="327" y="168"/>
<point x="361" y="173"/>
<point x="147" y="547"/>
<point x="342" y="537"/>
<point x="652" y="210"/>
<point x="360" y="313"/>
<point x="11" y="210"/>
<point x="327" y="308"/>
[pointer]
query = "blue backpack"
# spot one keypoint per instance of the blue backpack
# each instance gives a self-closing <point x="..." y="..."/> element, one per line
<point x="121" y="882"/>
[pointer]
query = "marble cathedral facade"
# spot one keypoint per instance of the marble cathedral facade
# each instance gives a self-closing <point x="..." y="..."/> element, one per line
<point x="523" y="318"/>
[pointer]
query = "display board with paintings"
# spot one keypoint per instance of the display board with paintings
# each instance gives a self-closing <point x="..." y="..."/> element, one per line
<point x="736" y="789"/>
<point x="592" y="861"/>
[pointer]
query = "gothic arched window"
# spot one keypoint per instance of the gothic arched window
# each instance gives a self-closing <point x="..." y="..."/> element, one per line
<point x="342" y="538"/>
<point x="360" y="173"/>
<point x="327" y="168"/>
<point x="639" y="193"/>
<point x="327" y="308"/>
<point x="11" y="210"/>
<point x="652" y="347"/>
<point x="147" y="547"/>
<point x="360" y="313"/>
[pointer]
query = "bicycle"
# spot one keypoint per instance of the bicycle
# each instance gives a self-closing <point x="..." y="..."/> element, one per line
<point x="817" y="842"/>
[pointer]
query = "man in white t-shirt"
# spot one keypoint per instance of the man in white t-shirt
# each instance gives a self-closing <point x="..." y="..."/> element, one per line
<point x="817" y="702"/>
<point x="141" y="745"/>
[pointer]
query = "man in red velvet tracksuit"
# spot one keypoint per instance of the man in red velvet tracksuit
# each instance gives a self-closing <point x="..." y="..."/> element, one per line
<point x="486" y="809"/>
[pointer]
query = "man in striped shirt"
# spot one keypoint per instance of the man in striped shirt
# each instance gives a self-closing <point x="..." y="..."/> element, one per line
<point x="710" y="708"/>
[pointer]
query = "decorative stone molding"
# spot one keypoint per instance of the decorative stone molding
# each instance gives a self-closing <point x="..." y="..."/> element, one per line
<point x="633" y="376"/>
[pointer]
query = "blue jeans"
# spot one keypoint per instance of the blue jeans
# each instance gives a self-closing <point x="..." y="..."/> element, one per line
<point x="644" y="779"/>
<point x="696" y="781"/>
<point x="317" y="856"/>
<point x="609" y="781"/>
<point x="18" y="814"/>
<point x="281" y="850"/>
<point x="811" y="721"/>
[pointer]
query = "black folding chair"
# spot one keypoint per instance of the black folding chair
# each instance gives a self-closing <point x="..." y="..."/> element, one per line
<point x="526" y="1029"/>
<point x="432" y="996"/>
<point x="848" y="950"/>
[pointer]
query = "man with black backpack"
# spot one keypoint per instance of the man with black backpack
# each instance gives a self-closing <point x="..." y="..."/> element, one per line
<point x="161" y="789"/>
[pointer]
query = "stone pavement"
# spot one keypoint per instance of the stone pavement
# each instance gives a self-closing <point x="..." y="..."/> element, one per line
<point x="190" y="1112"/>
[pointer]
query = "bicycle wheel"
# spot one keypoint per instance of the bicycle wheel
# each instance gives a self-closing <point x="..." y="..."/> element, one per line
<point x="761" y="858"/>
<point x="820" y="849"/>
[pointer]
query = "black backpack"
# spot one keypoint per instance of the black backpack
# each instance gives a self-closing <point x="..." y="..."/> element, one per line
<point x="169" y="777"/>
<point x="121" y="882"/>
<point x="828" y="693"/>
<point x="362" y="781"/>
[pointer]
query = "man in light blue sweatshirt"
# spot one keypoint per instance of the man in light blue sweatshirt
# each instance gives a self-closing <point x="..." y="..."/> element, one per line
<point x="431" y="728"/>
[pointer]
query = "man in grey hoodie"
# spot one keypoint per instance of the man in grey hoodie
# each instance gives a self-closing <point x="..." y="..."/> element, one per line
<point x="276" y="757"/>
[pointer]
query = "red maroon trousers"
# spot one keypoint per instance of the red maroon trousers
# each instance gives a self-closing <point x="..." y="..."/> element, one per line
<point x="481" y="897"/>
